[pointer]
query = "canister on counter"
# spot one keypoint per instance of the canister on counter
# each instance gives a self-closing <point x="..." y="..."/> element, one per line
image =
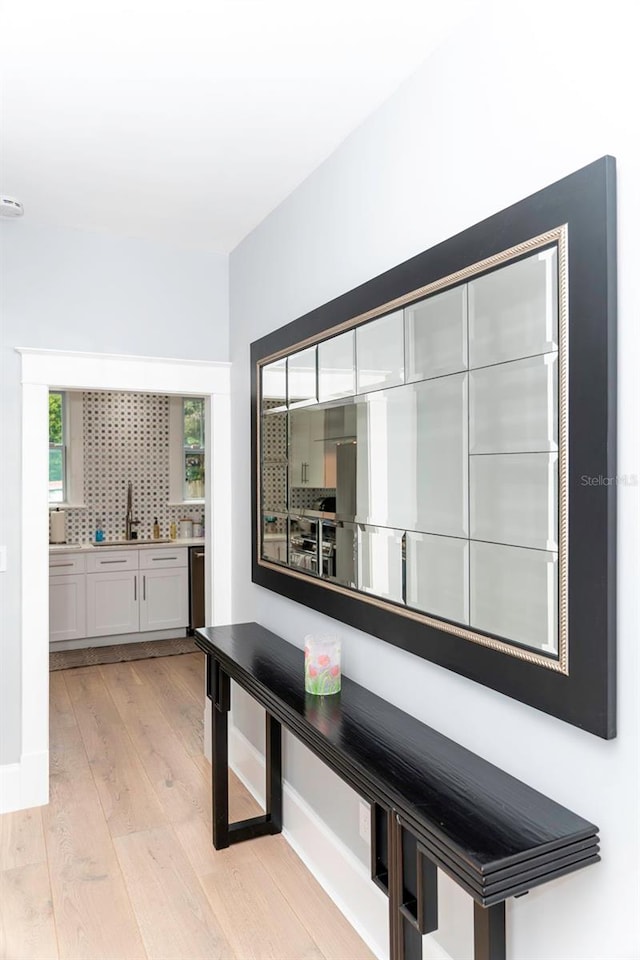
<point x="185" y="529"/>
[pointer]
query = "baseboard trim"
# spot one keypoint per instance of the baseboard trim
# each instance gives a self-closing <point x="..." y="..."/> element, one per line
<point x="345" y="879"/>
<point x="114" y="640"/>
<point x="25" y="784"/>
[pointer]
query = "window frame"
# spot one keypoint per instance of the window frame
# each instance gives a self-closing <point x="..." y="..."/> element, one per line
<point x="62" y="447"/>
<point x="178" y="451"/>
<point x="73" y="450"/>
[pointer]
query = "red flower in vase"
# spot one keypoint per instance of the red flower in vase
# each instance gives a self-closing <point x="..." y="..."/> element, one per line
<point x="313" y="672"/>
<point x="324" y="660"/>
<point x="335" y="671"/>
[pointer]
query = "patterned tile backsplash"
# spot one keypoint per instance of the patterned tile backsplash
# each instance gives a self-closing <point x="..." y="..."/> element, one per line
<point x="126" y="437"/>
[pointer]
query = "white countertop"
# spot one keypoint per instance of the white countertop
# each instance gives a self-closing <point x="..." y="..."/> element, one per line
<point x="91" y="548"/>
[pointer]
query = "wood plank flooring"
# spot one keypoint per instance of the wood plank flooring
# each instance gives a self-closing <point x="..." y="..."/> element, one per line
<point x="120" y="866"/>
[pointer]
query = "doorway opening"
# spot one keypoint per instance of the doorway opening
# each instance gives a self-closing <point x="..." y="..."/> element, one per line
<point x="45" y="370"/>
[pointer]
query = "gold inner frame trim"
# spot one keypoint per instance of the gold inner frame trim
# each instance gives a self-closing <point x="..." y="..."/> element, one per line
<point x="559" y="664"/>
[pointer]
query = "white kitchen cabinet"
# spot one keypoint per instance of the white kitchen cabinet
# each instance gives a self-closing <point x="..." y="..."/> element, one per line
<point x="163" y="557"/>
<point x="67" y="607"/>
<point x="67" y="601"/>
<point x="164" y="598"/>
<point x="112" y="561"/>
<point x="112" y="603"/>
<point x="110" y="593"/>
<point x="306" y="448"/>
<point x="275" y="548"/>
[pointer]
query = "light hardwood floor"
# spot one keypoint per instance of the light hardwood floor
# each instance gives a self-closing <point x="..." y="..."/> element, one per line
<point x="120" y="866"/>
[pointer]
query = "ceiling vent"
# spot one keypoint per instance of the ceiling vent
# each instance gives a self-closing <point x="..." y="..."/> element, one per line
<point x="10" y="208"/>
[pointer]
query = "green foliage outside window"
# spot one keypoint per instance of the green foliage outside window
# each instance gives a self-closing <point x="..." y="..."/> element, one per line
<point x="55" y="418"/>
<point x="194" y="422"/>
<point x="56" y="448"/>
<point x="193" y="418"/>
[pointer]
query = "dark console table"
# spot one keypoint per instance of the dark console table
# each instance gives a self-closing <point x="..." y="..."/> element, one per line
<point x="434" y="803"/>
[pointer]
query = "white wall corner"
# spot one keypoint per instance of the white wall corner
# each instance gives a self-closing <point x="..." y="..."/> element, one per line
<point x="344" y="878"/>
<point x="25" y="784"/>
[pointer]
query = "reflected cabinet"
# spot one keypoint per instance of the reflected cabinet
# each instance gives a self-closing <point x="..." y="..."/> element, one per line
<point x="434" y="453"/>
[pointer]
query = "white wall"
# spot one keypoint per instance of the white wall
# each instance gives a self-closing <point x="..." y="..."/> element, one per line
<point x="509" y="105"/>
<point x="71" y="290"/>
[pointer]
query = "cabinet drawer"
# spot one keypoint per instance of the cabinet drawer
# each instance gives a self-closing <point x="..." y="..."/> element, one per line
<point x="155" y="559"/>
<point x="63" y="564"/>
<point x="112" y="561"/>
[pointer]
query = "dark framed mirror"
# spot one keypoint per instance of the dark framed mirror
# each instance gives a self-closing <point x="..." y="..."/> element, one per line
<point x="427" y="446"/>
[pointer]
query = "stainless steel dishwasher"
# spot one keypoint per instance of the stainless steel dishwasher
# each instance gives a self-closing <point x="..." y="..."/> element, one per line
<point x="196" y="587"/>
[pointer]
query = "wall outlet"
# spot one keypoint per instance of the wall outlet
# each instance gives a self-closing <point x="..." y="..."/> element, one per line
<point x="3" y="559"/>
<point x="365" y="821"/>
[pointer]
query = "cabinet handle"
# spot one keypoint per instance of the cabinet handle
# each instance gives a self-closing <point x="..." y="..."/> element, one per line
<point x="199" y="555"/>
<point x="135" y="587"/>
<point x="144" y="587"/>
<point x="102" y="562"/>
<point x="155" y="559"/>
<point x="61" y="564"/>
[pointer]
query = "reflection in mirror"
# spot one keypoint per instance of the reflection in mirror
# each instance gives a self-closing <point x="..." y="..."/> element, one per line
<point x="513" y="311"/>
<point x="436" y="335"/>
<point x="412" y="468"/>
<point x="274" y="384"/>
<point x="274" y="486"/>
<point x="308" y="465"/>
<point x="514" y="593"/>
<point x="513" y="499"/>
<point x="438" y="576"/>
<point x="274" y="537"/>
<point x="380" y="353"/>
<point x="302" y="377"/>
<point x="336" y="367"/>
<point x="345" y="562"/>
<point x="514" y="406"/>
<point x="303" y="543"/>
<point x="441" y="493"/>
<point x="380" y="563"/>
<point x="273" y="442"/>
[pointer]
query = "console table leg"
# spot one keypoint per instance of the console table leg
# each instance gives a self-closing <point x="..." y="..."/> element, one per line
<point x="394" y="840"/>
<point x="489" y="933"/>
<point x="220" y="757"/>
<point x="405" y="940"/>
<point x="274" y="773"/>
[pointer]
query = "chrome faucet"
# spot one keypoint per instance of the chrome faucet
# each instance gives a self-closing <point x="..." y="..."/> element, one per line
<point x="130" y="522"/>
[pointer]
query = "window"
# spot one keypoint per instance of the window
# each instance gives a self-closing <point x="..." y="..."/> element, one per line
<point x="57" y="448"/>
<point x="66" y="448"/>
<point x="193" y="447"/>
<point x="186" y="449"/>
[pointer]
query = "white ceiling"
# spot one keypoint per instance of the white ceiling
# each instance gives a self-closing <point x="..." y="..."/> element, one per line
<point x="188" y="122"/>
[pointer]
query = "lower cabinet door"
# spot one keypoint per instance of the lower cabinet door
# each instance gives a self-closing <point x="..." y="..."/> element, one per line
<point x="67" y="608"/>
<point x="164" y="598"/>
<point x="112" y="603"/>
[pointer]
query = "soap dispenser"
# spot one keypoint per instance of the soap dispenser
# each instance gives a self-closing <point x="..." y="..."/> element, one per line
<point x="156" y="529"/>
<point x="99" y="533"/>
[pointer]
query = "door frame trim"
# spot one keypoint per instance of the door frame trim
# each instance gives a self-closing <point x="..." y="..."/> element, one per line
<point x="45" y="369"/>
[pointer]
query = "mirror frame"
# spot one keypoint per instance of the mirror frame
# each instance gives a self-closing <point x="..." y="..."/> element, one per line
<point x="580" y="686"/>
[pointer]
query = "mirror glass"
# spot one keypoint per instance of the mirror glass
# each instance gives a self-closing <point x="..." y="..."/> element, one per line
<point x="414" y="458"/>
<point x="302" y="377"/>
<point x="337" y="366"/>
<point x="380" y="353"/>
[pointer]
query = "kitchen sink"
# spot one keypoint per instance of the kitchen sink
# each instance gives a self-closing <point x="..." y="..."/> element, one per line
<point x="130" y="543"/>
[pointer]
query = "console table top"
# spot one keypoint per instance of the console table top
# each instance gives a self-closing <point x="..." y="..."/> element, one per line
<point x="496" y="834"/>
